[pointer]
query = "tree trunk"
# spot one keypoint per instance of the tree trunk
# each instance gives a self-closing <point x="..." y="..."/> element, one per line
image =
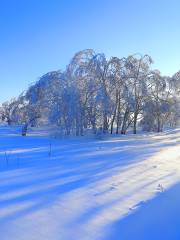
<point x="105" y="123"/>
<point x="24" y="129"/>
<point x="135" y="123"/>
<point x="124" y="128"/>
<point x="9" y="121"/>
<point x="159" y="125"/>
<point x="112" y="124"/>
<point x="113" y="119"/>
<point x="118" y="114"/>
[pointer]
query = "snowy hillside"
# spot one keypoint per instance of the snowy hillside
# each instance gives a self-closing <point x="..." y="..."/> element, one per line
<point x="122" y="188"/>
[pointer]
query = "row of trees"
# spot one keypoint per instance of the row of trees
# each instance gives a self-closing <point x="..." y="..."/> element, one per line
<point x="100" y="94"/>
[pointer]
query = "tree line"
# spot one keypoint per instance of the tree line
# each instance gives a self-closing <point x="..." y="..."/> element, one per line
<point x="107" y="95"/>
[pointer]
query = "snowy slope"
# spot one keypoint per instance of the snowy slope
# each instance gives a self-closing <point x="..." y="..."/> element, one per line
<point x="123" y="187"/>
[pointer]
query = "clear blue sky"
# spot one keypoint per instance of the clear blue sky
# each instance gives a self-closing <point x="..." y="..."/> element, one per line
<point x="37" y="36"/>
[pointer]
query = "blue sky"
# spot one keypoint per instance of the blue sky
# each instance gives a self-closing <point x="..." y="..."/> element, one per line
<point x="38" y="36"/>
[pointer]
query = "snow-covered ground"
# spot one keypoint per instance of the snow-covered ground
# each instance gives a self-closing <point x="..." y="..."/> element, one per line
<point x="122" y="188"/>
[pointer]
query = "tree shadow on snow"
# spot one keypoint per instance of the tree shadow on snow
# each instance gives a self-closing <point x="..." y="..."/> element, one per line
<point x="156" y="219"/>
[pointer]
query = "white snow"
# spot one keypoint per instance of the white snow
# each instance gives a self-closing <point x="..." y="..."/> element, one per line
<point x="124" y="187"/>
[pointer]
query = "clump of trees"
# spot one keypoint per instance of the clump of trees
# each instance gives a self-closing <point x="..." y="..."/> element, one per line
<point x="108" y="95"/>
